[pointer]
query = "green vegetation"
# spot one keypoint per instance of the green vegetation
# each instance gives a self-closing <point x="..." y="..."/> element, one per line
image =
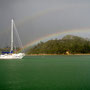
<point x="70" y="43"/>
<point x="7" y="49"/>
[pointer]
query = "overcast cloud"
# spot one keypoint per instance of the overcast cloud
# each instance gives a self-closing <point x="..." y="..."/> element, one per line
<point x="37" y="18"/>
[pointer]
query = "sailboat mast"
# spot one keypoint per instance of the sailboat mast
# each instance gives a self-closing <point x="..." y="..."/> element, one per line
<point x="12" y="35"/>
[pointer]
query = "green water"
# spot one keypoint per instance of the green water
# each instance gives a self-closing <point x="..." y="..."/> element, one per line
<point x="46" y="73"/>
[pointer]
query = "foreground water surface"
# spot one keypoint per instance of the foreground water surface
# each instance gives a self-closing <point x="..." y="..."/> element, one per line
<point x="46" y="73"/>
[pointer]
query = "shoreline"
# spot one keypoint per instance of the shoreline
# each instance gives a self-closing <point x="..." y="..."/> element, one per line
<point x="54" y="54"/>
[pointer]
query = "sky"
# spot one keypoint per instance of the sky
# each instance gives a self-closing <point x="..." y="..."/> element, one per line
<point x="39" y="18"/>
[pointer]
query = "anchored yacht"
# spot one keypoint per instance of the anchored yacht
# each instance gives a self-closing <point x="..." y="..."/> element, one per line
<point x="11" y="54"/>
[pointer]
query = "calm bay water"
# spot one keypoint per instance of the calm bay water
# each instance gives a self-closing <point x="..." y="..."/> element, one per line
<point x="46" y="73"/>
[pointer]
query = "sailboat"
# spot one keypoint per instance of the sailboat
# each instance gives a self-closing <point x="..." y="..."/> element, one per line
<point x="11" y="54"/>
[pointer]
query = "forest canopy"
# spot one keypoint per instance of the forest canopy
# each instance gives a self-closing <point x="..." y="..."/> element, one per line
<point x="72" y="44"/>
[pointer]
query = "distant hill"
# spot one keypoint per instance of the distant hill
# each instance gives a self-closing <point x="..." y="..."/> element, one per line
<point x="72" y="37"/>
<point x="69" y="43"/>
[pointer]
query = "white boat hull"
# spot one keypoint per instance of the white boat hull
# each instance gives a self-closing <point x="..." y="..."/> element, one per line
<point x="12" y="56"/>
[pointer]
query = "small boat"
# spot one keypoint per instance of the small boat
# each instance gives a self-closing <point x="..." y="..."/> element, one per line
<point x="11" y="54"/>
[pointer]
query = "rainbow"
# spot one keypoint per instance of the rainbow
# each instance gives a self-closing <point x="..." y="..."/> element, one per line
<point x="49" y="36"/>
<point x="55" y="35"/>
<point x="36" y="15"/>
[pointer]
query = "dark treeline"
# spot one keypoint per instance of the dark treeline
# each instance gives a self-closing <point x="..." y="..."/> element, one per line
<point x="7" y="49"/>
<point x="70" y="43"/>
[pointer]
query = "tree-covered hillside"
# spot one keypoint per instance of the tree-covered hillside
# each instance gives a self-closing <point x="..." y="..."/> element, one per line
<point x="70" y="43"/>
